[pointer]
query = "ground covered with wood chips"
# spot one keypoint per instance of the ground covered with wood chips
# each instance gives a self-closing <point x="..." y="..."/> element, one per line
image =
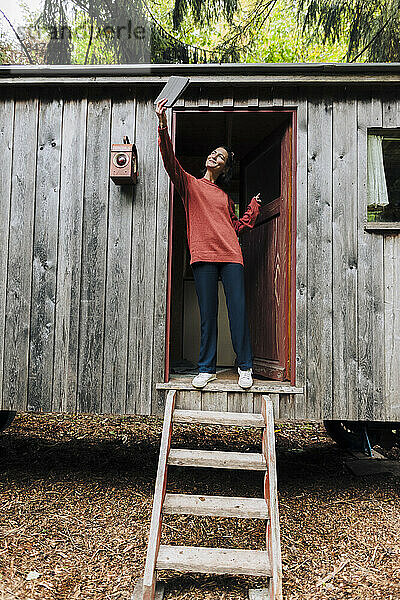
<point x="76" y="498"/>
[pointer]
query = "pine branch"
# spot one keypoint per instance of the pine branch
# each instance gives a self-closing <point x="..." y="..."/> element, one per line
<point x="375" y="36"/>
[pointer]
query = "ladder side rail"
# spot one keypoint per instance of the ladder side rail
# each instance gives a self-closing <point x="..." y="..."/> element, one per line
<point x="149" y="578"/>
<point x="271" y="498"/>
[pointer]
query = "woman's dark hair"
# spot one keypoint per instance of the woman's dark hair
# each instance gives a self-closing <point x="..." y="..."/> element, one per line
<point x="224" y="179"/>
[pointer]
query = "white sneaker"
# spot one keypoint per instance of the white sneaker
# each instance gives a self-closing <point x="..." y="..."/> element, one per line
<point x="202" y="379"/>
<point x="245" y="378"/>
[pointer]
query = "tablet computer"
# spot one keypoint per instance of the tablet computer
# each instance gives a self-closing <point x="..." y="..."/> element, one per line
<point x="174" y="87"/>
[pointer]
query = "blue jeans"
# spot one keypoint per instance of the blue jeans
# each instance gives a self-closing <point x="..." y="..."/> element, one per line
<point x="206" y="276"/>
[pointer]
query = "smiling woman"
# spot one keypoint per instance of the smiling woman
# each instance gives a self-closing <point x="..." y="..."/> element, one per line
<point x="212" y="233"/>
<point x="219" y="165"/>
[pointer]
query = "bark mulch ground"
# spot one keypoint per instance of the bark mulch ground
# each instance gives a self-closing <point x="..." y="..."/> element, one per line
<point x="76" y="497"/>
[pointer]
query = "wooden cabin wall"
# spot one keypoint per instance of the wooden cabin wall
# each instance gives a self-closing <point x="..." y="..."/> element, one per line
<point x="83" y="261"/>
<point x="353" y="325"/>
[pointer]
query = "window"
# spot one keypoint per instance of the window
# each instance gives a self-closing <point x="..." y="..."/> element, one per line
<point x="383" y="176"/>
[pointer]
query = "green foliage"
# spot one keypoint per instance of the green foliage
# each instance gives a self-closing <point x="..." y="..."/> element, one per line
<point x="203" y="12"/>
<point x="280" y="40"/>
<point x="276" y="39"/>
<point x="371" y="27"/>
<point x="189" y="32"/>
<point x="252" y="31"/>
<point x="83" y="31"/>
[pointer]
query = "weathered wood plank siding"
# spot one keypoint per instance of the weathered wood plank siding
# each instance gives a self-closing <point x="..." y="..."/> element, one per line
<point x="344" y="256"/>
<point x="7" y="107"/>
<point x="361" y="332"/>
<point x="370" y="285"/>
<point x="390" y="405"/>
<point x="143" y="263"/>
<point x="83" y="278"/>
<point x="94" y="254"/>
<point x="298" y="100"/>
<point x="44" y="263"/>
<point x="118" y="271"/>
<point x="83" y="274"/>
<point x="17" y="334"/>
<point x="318" y="350"/>
<point x="66" y="325"/>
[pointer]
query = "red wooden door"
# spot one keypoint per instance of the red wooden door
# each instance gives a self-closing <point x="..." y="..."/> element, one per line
<point x="266" y="252"/>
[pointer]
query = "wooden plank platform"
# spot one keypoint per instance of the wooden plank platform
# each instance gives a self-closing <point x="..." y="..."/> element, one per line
<point x="221" y="385"/>
<point x="214" y="560"/>
<point x="227" y="382"/>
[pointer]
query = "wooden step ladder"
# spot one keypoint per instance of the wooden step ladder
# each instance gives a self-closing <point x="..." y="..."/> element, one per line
<point x="215" y="560"/>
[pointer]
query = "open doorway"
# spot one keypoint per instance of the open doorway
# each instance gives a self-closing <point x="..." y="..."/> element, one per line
<point x="262" y="142"/>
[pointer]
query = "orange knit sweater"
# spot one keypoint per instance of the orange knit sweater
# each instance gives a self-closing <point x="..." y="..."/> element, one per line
<point x="212" y="226"/>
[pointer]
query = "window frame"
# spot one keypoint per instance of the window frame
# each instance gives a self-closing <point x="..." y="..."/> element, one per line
<point x="389" y="133"/>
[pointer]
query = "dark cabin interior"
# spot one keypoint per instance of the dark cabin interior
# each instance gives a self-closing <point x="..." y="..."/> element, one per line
<point x="197" y="133"/>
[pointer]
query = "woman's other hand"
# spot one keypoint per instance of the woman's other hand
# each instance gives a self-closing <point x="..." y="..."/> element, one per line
<point x="160" y="111"/>
<point x="258" y="198"/>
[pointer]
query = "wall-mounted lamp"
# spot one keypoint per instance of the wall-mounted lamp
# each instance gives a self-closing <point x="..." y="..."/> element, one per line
<point x="124" y="163"/>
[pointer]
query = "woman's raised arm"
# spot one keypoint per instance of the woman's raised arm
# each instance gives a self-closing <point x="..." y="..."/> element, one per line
<point x="178" y="175"/>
